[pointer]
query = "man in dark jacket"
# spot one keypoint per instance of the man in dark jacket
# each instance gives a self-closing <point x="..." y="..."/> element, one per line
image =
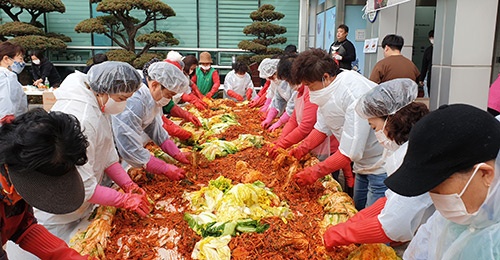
<point x="342" y="50"/>
<point x="427" y="63"/>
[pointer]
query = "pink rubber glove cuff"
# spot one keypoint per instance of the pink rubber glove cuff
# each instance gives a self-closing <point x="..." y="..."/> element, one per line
<point x="283" y="119"/>
<point x="118" y="175"/>
<point x="271" y="114"/>
<point x="170" y="147"/>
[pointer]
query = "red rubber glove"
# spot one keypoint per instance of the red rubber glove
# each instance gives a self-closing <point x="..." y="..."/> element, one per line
<point x="130" y="201"/>
<point x="283" y="119"/>
<point x="179" y="112"/>
<point x="273" y="151"/>
<point x="333" y="163"/>
<point x="194" y="100"/>
<point x="271" y="114"/>
<point x="258" y="102"/>
<point x="196" y="91"/>
<point x="235" y="95"/>
<point x="314" y="139"/>
<point x="7" y="119"/>
<point x="349" y="177"/>
<point x="158" y="166"/>
<point x="371" y="211"/>
<point x="40" y="242"/>
<point x="364" y="231"/>
<point x="249" y="93"/>
<point x="175" y="130"/>
<point x="210" y="94"/>
<point x="308" y="176"/>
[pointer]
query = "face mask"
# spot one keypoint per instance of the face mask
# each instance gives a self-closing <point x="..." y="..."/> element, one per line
<point x="240" y="75"/>
<point x="320" y="97"/>
<point x="452" y="207"/>
<point x="112" y="107"/>
<point x="431" y="40"/>
<point x="205" y="67"/>
<point x="17" y="66"/>
<point x="384" y="141"/>
<point x="163" y="101"/>
<point x="37" y="62"/>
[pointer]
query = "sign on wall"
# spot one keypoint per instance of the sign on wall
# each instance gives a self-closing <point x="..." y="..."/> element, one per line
<point x="330" y="30"/>
<point x="320" y="30"/>
<point x="374" y="5"/>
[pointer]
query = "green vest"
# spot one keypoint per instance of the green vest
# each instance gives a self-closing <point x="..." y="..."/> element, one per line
<point x="204" y="81"/>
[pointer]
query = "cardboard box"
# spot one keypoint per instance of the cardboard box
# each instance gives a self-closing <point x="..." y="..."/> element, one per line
<point x="48" y="100"/>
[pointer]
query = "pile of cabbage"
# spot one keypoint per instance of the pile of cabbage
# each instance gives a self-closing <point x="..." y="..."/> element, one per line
<point x="221" y="210"/>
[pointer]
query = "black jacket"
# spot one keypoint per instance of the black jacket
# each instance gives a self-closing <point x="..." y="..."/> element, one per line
<point x="426" y="65"/>
<point x="347" y="51"/>
<point x="46" y="70"/>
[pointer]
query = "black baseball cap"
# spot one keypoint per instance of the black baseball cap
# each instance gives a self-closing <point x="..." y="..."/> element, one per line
<point x="58" y="191"/>
<point x="449" y="139"/>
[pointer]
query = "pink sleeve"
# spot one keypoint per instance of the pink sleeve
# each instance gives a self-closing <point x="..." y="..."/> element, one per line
<point x="289" y="127"/>
<point x="305" y="126"/>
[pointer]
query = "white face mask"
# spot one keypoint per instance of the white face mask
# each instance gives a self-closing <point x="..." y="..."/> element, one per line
<point x="112" y="107"/>
<point x="37" y="62"/>
<point x="205" y="67"/>
<point x="320" y="97"/>
<point x="163" y="101"/>
<point x="431" y="40"/>
<point x="387" y="143"/>
<point x="452" y="207"/>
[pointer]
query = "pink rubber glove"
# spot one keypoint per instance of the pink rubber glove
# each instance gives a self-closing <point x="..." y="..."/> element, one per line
<point x="120" y="177"/>
<point x="266" y="105"/>
<point x="271" y="114"/>
<point x="179" y="112"/>
<point x="130" y="201"/>
<point x="160" y="167"/>
<point x="169" y="147"/>
<point x="283" y="119"/>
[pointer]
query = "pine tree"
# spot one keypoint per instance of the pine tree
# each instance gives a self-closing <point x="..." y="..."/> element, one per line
<point x="266" y="33"/>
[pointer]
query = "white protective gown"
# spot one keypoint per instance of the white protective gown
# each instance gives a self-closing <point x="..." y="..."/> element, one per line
<point x="137" y="124"/>
<point x="13" y="100"/>
<point x="441" y="239"/>
<point x="238" y="85"/>
<point x="402" y="216"/>
<point x="74" y="97"/>
<point x="284" y="98"/>
<point x="338" y="117"/>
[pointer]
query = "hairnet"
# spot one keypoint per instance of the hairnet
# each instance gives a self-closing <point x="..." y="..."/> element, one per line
<point x="387" y="98"/>
<point x="113" y="77"/>
<point x="169" y="76"/>
<point x="174" y="56"/>
<point x="268" y="67"/>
